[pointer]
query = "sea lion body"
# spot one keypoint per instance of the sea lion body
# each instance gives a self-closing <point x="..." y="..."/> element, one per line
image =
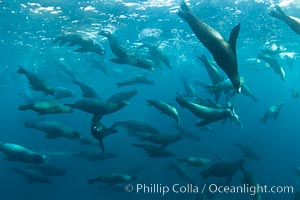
<point x="15" y="152"/>
<point x="224" y="52"/>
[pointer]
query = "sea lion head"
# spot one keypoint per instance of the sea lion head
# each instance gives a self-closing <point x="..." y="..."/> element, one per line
<point x="237" y="83"/>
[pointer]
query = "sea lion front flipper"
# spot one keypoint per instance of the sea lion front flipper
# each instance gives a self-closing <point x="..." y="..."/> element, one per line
<point x="233" y="37"/>
<point x="51" y="136"/>
<point x="80" y="50"/>
<point x="101" y="145"/>
<point x="118" y="61"/>
<point x="204" y="122"/>
<point x="184" y="9"/>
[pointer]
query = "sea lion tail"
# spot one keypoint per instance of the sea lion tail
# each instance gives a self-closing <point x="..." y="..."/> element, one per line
<point x="21" y="70"/>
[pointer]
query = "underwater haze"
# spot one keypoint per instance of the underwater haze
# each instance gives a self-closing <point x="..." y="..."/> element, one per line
<point x="65" y="68"/>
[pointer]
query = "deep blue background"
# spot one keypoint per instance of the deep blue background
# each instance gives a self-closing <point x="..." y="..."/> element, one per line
<point x="27" y="33"/>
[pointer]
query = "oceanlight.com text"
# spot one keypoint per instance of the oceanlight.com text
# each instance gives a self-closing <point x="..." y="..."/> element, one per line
<point x="207" y="188"/>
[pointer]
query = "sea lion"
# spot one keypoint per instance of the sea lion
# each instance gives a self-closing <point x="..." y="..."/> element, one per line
<point x="154" y="151"/>
<point x="136" y="79"/>
<point x="36" y="82"/>
<point x="248" y="153"/>
<point x="33" y="176"/>
<point x="195" y="161"/>
<point x="273" y="64"/>
<point x="137" y="126"/>
<point x="208" y="114"/>
<point x="223" y="169"/>
<point x="97" y="106"/>
<point x="291" y="21"/>
<point x="124" y="55"/>
<point x="15" y="152"/>
<point x="122" y="96"/>
<point x="226" y="87"/>
<point x="112" y="179"/>
<point x="157" y="53"/>
<point x="189" y="89"/>
<point x="46" y="107"/>
<point x="165" y="108"/>
<point x="272" y="112"/>
<point x="54" y="130"/>
<point x="86" y="44"/>
<point x="94" y="156"/>
<point x="99" y="132"/>
<point x="162" y="139"/>
<point x="224" y="52"/>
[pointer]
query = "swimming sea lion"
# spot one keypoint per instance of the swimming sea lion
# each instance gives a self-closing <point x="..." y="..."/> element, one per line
<point x="112" y="179"/>
<point x="97" y="106"/>
<point x="272" y="112"/>
<point x="208" y="114"/>
<point x="54" y="130"/>
<point x="165" y="108"/>
<point x="273" y="64"/>
<point x="124" y="55"/>
<point x="154" y="151"/>
<point x="99" y="132"/>
<point x="46" y="107"/>
<point x="15" y="152"/>
<point x="86" y="44"/>
<point x="36" y="82"/>
<point x="223" y="169"/>
<point x="223" y="52"/>
<point x="136" y="79"/>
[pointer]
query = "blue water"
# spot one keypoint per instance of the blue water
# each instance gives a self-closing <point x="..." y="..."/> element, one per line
<point x="28" y="29"/>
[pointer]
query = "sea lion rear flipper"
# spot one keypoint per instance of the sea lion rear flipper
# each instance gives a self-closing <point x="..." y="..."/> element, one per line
<point x="233" y="37"/>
